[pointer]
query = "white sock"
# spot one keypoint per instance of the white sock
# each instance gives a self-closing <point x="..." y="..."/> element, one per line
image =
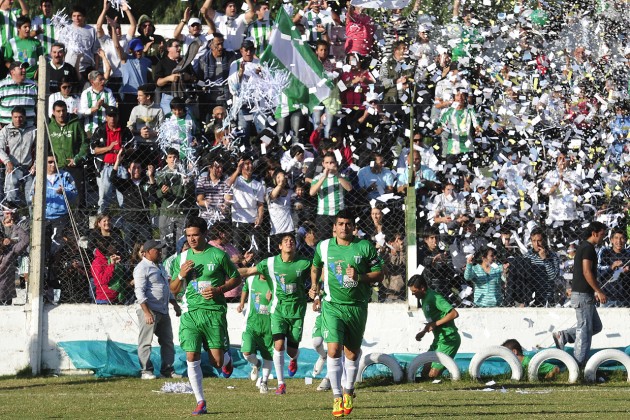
<point x="318" y="345"/>
<point x="226" y="358"/>
<point x="334" y="374"/>
<point x="252" y="359"/>
<point x="195" y="376"/>
<point x="351" y="368"/>
<point x="278" y="363"/>
<point x="343" y="367"/>
<point x="266" y="365"/>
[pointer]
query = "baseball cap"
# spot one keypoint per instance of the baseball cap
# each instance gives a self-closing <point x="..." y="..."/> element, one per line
<point x="136" y="45"/>
<point x="151" y="244"/>
<point x="194" y="20"/>
<point x="111" y="111"/>
<point x="16" y="64"/>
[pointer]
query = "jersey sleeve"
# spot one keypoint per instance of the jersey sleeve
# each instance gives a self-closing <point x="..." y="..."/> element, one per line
<point x="263" y="269"/>
<point x="374" y="260"/>
<point x="545" y="368"/>
<point x="230" y="269"/>
<point x="442" y="305"/>
<point x="317" y="258"/>
<point x="175" y="266"/>
<point x="246" y="285"/>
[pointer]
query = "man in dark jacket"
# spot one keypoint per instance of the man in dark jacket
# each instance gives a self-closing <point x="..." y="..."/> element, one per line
<point x="437" y="266"/>
<point x="69" y="144"/>
<point x="108" y="139"/>
<point x="139" y="193"/>
<point x="213" y="69"/>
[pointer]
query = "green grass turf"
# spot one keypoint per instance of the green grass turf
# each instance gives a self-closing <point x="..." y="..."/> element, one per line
<point x="90" y="398"/>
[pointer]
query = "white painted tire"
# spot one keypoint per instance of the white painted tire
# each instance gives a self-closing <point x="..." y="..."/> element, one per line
<point x="549" y="354"/>
<point x="495" y="351"/>
<point x="432" y="357"/>
<point x="380" y="359"/>
<point x="590" y="370"/>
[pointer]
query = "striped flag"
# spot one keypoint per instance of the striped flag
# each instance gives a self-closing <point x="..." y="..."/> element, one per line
<point x="288" y="51"/>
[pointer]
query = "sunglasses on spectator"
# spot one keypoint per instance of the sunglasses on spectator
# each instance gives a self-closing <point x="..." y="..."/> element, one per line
<point x="65" y="87"/>
<point x="51" y="162"/>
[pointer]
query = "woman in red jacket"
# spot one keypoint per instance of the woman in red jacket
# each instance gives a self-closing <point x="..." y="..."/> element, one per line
<point x="105" y="269"/>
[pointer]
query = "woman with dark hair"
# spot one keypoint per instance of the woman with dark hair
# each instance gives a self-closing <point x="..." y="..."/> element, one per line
<point x="103" y="227"/>
<point x="66" y="86"/>
<point x="487" y="277"/>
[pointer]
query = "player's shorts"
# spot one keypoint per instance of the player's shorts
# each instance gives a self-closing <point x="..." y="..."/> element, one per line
<point x="447" y="345"/>
<point x="291" y="328"/>
<point x="257" y="337"/>
<point x="343" y="324"/>
<point x="195" y="325"/>
<point x="317" y="328"/>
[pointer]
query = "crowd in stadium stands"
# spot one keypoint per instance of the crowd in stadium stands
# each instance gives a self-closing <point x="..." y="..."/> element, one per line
<point x="515" y="125"/>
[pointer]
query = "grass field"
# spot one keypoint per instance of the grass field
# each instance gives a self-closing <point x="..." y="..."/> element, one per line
<point x="88" y="397"/>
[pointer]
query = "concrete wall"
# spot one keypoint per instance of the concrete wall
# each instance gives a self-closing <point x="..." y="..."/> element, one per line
<point x="391" y="329"/>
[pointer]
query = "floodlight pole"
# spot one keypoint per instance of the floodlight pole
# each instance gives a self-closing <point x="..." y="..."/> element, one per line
<point x="39" y="223"/>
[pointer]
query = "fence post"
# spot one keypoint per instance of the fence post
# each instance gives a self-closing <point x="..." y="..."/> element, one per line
<point x="36" y="270"/>
<point x="410" y="209"/>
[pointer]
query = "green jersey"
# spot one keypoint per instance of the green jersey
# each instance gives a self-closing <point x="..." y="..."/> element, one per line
<point x="435" y="307"/>
<point x="25" y="50"/>
<point x="212" y="268"/>
<point x="338" y="287"/>
<point x="258" y="304"/>
<point x="286" y="279"/>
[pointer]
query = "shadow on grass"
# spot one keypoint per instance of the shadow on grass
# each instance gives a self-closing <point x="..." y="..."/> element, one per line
<point x="62" y="382"/>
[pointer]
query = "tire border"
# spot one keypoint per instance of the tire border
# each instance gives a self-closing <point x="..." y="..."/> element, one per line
<point x="380" y="359"/>
<point x="590" y="370"/>
<point x="433" y="357"/>
<point x="548" y="354"/>
<point x="495" y="351"/>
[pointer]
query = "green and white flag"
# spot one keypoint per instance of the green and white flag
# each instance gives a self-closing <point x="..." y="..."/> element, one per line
<point x="288" y="51"/>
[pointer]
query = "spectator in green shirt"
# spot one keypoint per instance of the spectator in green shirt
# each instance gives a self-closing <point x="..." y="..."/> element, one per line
<point x="23" y="48"/>
<point x="440" y="316"/>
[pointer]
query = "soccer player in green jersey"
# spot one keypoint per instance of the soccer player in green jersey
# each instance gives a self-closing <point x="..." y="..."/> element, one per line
<point x="206" y="274"/>
<point x="440" y="316"/>
<point x="286" y="274"/>
<point x="257" y="334"/>
<point x="348" y="266"/>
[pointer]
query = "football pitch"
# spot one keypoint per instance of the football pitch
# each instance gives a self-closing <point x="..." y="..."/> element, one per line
<point x="89" y="397"/>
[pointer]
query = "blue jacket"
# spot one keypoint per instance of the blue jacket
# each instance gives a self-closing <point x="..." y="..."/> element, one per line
<point x="55" y="203"/>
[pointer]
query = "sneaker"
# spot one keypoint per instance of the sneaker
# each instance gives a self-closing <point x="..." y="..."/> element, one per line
<point x="148" y="375"/>
<point x="227" y="370"/>
<point x="264" y="388"/>
<point x="282" y="389"/>
<point x="558" y="339"/>
<point x="201" y="409"/>
<point x="338" y="407"/>
<point x="254" y="373"/>
<point x="173" y="375"/>
<point x="292" y="368"/>
<point x="324" y="385"/>
<point x="347" y="404"/>
<point x="319" y="365"/>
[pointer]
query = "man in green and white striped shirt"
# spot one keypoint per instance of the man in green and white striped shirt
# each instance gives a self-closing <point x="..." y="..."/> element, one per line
<point x="42" y="28"/>
<point x="17" y="90"/>
<point x="329" y="186"/>
<point x="260" y="29"/>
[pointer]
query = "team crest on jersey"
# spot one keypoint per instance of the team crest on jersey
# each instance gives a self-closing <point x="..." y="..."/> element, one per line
<point x="281" y="279"/>
<point x="211" y="266"/>
<point x="357" y="259"/>
<point x="336" y="268"/>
